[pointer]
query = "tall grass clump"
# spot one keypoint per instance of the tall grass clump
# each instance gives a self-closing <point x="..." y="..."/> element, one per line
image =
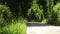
<point x="18" y="27"/>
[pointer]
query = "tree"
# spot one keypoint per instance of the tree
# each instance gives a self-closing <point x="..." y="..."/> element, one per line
<point x="5" y="15"/>
<point x="56" y="10"/>
<point x="36" y="11"/>
<point x="50" y="4"/>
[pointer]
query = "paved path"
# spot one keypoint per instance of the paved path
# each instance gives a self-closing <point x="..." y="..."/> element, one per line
<point x="46" y="29"/>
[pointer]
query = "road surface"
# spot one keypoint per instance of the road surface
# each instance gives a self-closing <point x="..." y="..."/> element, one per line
<point x="42" y="29"/>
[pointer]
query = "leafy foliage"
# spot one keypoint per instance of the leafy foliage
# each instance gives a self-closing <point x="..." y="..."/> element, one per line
<point x="5" y="14"/>
<point x="45" y="11"/>
<point x="35" y="11"/>
<point x="18" y="27"/>
<point x="50" y="14"/>
<point x="44" y="21"/>
<point x="56" y="10"/>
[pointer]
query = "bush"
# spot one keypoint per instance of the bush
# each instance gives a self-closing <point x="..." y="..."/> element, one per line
<point x="5" y="14"/>
<point x="35" y="12"/>
<point x="18" y="27"/>
<point x="56" y="10"/>
<point x="44" y="21"/>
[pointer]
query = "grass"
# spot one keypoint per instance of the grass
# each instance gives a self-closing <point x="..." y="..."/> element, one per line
<point x="18" y="27"/>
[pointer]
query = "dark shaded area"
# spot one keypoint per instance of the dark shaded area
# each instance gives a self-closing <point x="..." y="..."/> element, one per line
<point x="43" y="3"/>
<point x="37" y="24"/>
<point x="19" y="8"/>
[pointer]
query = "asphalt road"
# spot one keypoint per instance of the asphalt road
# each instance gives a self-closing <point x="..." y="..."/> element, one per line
<point x="42" y="29"/>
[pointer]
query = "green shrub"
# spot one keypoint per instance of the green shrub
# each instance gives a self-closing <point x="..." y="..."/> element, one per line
<point x="18" y="27"/>
<point x="44" y="21"/>
<point x="56" y="10"/>
<point x="35" y="12"/>
<point x="5" y="14"/>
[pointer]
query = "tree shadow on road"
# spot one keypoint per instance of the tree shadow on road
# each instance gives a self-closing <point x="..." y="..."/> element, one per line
<point x="37" y="24"/>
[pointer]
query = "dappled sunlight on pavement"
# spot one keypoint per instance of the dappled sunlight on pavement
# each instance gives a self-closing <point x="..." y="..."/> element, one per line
<point x="43" y="30"/>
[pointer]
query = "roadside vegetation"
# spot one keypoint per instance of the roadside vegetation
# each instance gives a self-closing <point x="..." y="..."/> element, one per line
<point x="15" y="14"/>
